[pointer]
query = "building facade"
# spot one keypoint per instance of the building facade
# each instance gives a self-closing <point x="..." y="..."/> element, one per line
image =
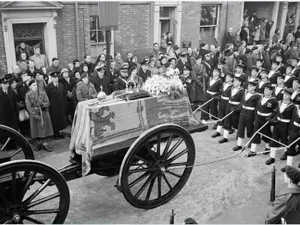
<point x="68" y="30"/>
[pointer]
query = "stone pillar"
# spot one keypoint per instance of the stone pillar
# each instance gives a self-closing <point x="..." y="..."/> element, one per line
<point x="283" y="18"/>
<point x="274" y="18"/>
<point x="297" y="15"/>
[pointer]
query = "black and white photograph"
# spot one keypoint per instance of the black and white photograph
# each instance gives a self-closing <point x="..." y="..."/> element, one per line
<point x="149" y="112"/>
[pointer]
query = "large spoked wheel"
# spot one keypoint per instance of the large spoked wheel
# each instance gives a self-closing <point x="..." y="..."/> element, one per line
<point x="157" y="166"/>
<point x="13" y="145"/>
<point x="32" y="192"/>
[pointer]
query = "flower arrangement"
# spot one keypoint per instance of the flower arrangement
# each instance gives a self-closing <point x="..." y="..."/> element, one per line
<point x="167" y="84"/>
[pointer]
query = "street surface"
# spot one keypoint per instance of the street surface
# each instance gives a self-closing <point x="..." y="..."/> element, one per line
<point x="233" y="191"/>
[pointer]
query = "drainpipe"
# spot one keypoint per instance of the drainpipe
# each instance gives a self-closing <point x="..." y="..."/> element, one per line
<point x="77" y="30"/>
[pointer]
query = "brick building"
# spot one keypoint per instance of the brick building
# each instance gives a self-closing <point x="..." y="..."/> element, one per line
<point x="68" y="30"/>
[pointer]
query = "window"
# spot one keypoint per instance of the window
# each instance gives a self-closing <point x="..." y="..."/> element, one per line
<point x="97" y="35"/>
<point x="209" y="21"/>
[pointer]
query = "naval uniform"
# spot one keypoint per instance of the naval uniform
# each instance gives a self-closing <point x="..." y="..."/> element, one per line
<point x="261" y="86"/>
<point x="234" y="102"/>
<point x="272" y="76"/>
<point x="281" y="128"/>
<point x="246" y="119"/>
<point x="265" y="110"/>
<point x="296" y="97"/>
<point x="288" y="81"/>
<point x="223" y="102"/>
<point x="214" y="89"/>
<point x="294" y="134"/>
<point x="278" y="93"/>
<point x="296" y="72"/>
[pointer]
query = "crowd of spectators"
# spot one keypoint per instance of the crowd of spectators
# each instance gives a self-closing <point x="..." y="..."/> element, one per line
<point x="60" y="89"/>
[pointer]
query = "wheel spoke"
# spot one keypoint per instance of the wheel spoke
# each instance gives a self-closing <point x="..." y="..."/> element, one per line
<point x="167" y="145"/>
<point x="183" y="164"/>
<point x="32" y="175"/>
<point x="138" y="179"/>
<point x="37" y="192"/>
<point x="174" y="174"/>
<point x="177" y="156"/>
<point x="150" y="189"/>
<point x="14" y="188"/>
<point x="140" y="170"/>
<point x="159" y="186"/>
<point x="5" y="144"/>
<point x="158" y="145"/>
<point x="32" y="220"/>
<point x="8" y="222"/>
<point x="42" y="200"/>
<point x="16" y="152"/>
<point x="166" y="180"/>
<point x="150" y="178"/>
<point x="43" y="211"/>
<point x="174" y="148"/>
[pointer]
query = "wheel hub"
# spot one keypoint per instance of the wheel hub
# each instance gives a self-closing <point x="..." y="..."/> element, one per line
<point x="16" y="218"/>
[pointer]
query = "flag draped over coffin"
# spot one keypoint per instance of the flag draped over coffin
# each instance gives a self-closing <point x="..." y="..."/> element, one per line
<point x="98" y="124"/>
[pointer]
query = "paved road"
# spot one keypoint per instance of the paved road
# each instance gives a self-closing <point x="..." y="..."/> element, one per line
<point x="232" y="191"/>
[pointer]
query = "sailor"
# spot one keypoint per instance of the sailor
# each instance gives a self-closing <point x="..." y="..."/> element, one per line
<point x="223" y="102"/>
<point x="296" y="70"/>
<point x="266" y="109"/>
<point x="263" y="76"/>
<point x="259" y="64"/>
<point x="278" y="91"/>
<point x="239" y="72"/>
<point x="294" y="134"/>
<point x="254" y="74"/>
<point x="246" y="119"/>
<point x="281" y="67"/>
<point x="214" y="89"/>
<point x="272" y="76"/>
<point x="234" y="104"/>
<point x="296" y="94"/>
<point x="282" y="123"/>
<point x="289" y="77"/>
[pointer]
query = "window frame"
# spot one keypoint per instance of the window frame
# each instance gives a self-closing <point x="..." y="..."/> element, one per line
<point x="217" y="20"/>
<point x="97" y="29"/>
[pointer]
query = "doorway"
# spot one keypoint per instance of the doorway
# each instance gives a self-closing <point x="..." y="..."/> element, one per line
<point x="32" y="34"/>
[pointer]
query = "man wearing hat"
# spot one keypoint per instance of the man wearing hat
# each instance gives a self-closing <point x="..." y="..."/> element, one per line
<point x="144" y="73"/>
<point x="283" y="121"/>
<point x="101" y="80"/>
<point x="251" y="98"/>
<point x="263" y="75"/>
<point x="214" y="89"/>
<point x="288" y="200"/>
<point x="278" y="91"/>
<point x="121" y="80"/>
<point x="182" y="62"/>
<point x="230" y="62"/>
<point x="206" y="60"/>
<point x="57" y="98"/>
<point x="223" y="102"/>
<point x="234" y="103"/>
<point x="266" y="110"/>
<point x="239" y="72"/>
<point x="8" y="104"/>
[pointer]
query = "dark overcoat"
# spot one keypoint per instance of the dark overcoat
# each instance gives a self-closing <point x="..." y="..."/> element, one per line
<point x="57" y="99"/>
<point x="9" y="112"/>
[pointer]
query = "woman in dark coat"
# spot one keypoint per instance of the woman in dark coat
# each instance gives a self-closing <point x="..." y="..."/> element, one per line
<point x="37" y="104"/>
<point x="57" y="97"/>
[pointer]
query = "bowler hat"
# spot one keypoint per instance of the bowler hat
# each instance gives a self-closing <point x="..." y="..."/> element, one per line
<point x="293" y="174"/>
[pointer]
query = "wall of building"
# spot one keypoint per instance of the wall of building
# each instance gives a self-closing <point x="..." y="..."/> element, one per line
<point x="134" y="33"/>
<point x="66" y="33"/>
<point x="3" y="66"/>
<point x="191" y="15"/>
